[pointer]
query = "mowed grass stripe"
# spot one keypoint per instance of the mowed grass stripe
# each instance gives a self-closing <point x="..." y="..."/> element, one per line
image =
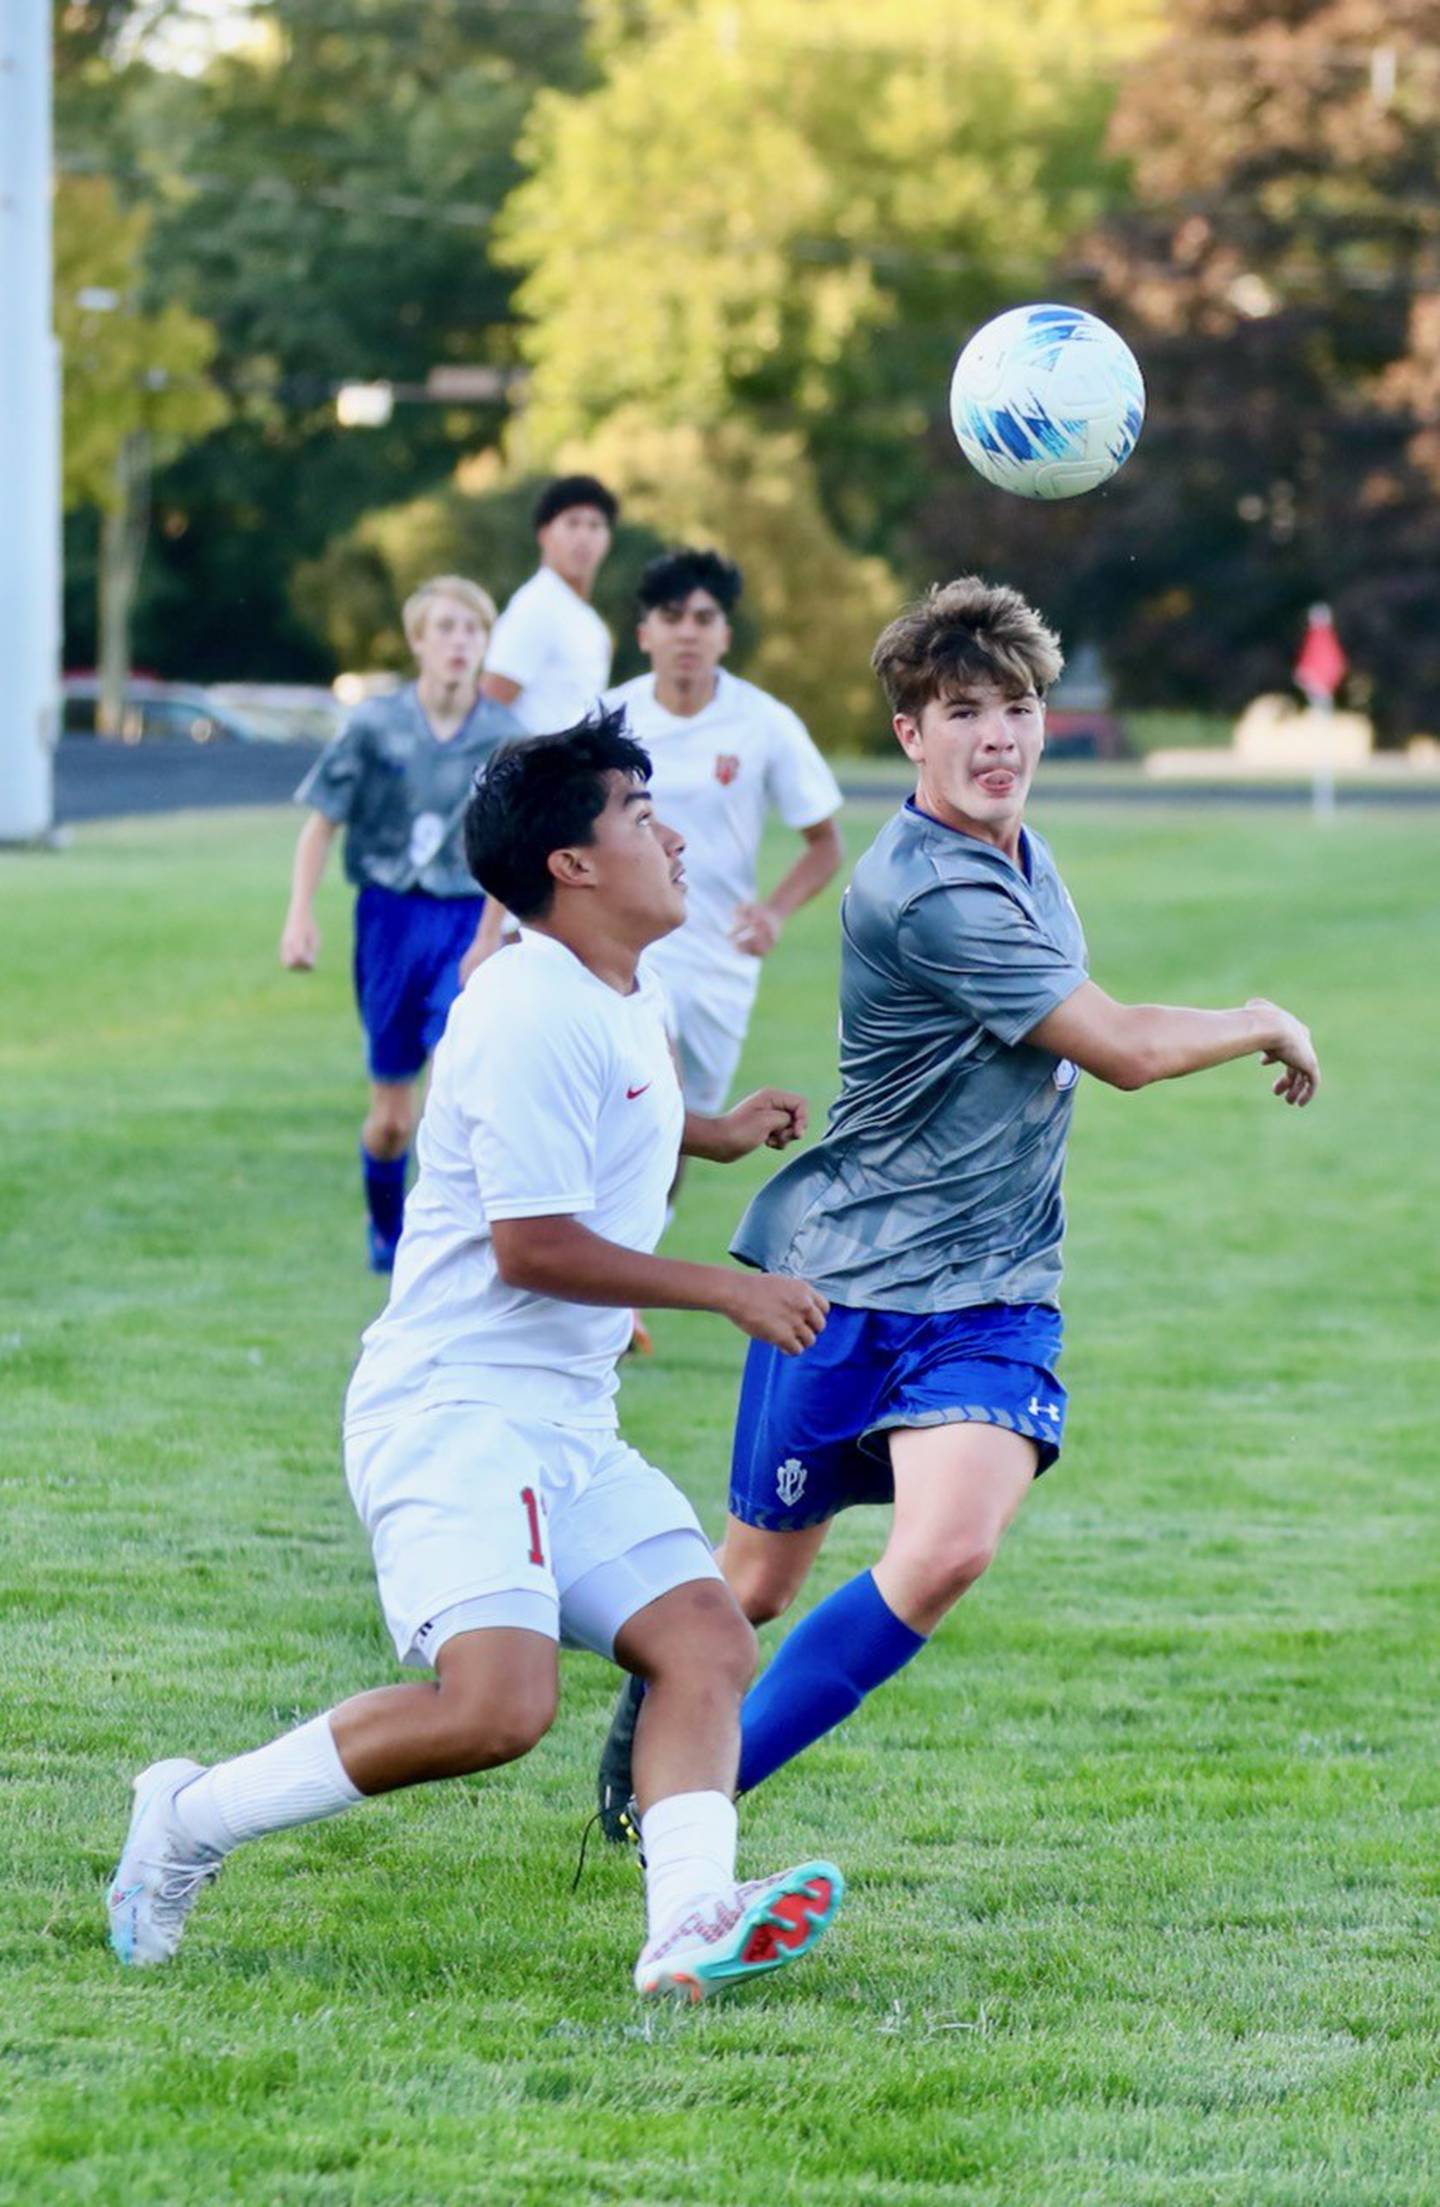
<point x="1142" y="1851"/>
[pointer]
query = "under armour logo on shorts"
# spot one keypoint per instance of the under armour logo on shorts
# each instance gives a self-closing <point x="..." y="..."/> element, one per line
<point x="790" y="1481"/>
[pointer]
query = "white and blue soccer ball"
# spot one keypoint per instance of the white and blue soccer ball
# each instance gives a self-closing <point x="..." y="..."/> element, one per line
<point x="1047" y="401"/>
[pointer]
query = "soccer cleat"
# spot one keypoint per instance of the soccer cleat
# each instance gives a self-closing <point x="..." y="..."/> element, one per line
<point x="381" y="1250"/>
<point x="748" y="1932"/>
<point x="161" y="1872"/>
<point x="614" y="1782"/>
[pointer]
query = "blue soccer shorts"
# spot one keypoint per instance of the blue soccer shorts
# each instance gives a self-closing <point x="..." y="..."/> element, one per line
<point x="407" y="973"/>
<point x="810" y="1433"/>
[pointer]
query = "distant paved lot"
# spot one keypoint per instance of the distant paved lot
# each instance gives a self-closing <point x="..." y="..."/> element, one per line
<point x="103" y="781"/>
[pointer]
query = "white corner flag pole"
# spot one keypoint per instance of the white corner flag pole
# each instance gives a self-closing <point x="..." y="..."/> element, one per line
<point x="29" y="431"/>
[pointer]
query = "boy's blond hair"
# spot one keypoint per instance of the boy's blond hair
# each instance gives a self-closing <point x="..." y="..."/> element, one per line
<point x="417" y="605"/>
<point x="961" y="633"/>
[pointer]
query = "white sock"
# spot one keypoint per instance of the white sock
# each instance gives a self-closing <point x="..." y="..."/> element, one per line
<point x="297" y="1779"/>
<point x="689" y="1842"/>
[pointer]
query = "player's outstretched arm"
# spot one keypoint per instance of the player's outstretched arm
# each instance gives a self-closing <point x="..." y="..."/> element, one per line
<point x="772" y="1118"/>
<point x="300" y="937"/>
<point x="1131" y="1045"/>
<point x="560" y="1257"/>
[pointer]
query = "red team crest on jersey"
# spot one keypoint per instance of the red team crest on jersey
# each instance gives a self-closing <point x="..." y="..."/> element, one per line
<point x="727" y="766"/>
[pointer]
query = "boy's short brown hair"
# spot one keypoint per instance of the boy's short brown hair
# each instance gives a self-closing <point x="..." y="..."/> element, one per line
<point x="960" y="633"/>
<point x="417" y="605"/>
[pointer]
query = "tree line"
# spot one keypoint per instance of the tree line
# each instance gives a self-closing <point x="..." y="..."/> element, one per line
<point x="723" y="252"/>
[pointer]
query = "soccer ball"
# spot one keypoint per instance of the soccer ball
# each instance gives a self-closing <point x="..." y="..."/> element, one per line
<point x="1047" y="401"/>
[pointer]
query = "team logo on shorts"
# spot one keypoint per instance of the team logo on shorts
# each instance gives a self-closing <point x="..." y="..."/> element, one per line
<point x="1066" y="1073"/>
<point x="790" y="1481"/>
<point x="727" y="766"/>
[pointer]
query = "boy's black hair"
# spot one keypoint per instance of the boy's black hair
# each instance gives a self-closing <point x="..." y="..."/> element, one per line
<point x="575" y="490"/>
<point x="670" y="579"/>
<point x="541" y="794"/>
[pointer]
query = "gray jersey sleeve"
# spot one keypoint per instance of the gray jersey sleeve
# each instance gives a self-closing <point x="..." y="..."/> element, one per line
<point x="333" y="781"/>
<point x="977" y="947"/>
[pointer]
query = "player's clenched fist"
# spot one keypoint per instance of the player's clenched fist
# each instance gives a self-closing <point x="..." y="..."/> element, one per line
<point x="772" y="1116"/>
<point x="789" y="1314"/>
<point x="300" y="944"/>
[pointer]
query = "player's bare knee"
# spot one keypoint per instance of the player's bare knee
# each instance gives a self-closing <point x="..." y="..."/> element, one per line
<point x="705" y="1636"/>
<point x="479" y="1728"/>
<point x="482" y="1738"/>
<point x="388" y="1134"/>
<point x="954" y="1566"/>
<point x="723" y="1644"/>
<point x="765" y="1593"/>
<point x="737" y="1654"/>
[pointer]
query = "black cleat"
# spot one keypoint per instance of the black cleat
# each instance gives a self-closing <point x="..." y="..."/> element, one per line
<point x="618" y="1819"/>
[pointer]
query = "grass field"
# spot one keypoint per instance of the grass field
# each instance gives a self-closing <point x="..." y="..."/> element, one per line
<point x="1143" y="1851"/>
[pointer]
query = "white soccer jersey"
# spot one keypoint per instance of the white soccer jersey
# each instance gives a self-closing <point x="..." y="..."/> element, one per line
<point x="717" y="775"/>
<point x="551" y="1095"/>
<point x="555" y="645"/>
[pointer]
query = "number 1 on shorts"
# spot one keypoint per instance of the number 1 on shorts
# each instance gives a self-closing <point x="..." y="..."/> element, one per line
<point x="532" y="1511"/>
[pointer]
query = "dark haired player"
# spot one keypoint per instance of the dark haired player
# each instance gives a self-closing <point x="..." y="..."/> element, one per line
<point x="726" y="755"/>
<point x="930" y="1211"/>
<point x="549" y="652"/>
<point x="480" y="1441"/>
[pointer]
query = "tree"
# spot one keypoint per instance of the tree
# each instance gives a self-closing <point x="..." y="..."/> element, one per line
<point x="323" y="196"/>
<point x="811" y="606"/>
<point x="477" y="524"/>
<point x="805" y="623"/>
<point x="135" y="391"/>
<point x="789" y="210"/>
<point x="1279" y="275"/>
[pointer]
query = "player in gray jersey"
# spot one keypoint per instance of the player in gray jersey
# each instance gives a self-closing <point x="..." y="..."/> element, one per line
<point x="397" y="780"/>
<point x="930" y="1211"/>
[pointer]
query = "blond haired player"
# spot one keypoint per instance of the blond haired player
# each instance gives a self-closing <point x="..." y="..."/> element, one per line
<point x="397" y="779"/>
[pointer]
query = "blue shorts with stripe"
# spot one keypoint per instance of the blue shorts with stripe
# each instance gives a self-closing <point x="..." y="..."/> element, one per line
<point x="810" y="1433"/>
<point x="408" y="949"/>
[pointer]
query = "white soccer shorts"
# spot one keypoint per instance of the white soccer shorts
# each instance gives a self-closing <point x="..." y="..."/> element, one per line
<point x="477" y="1518"/>
<point x="707" y="1047"/>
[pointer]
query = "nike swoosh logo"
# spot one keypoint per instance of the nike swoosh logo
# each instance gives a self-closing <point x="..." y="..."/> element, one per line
<point x="632" y="1093"/>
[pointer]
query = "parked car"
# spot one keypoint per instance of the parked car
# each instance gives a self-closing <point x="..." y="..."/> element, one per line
<point x="283" y="712"/>
<point x="152" y="712"/>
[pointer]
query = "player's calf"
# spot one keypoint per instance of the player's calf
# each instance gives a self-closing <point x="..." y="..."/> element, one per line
<point x="492" y="1700"/>
<point x="697" y="1655"/>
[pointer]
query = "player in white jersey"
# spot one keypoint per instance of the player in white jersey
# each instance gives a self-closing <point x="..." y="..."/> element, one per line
<point x="549" y="653"/>
<point x="725" y="756"/>
<point x="481" y="1450"/>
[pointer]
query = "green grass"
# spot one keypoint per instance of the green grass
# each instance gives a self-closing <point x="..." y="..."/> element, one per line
<point x="1165" y="731"/>
<point x="1143" y="1852"/>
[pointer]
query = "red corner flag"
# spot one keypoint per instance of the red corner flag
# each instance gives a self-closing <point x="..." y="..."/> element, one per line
<point x="1320" y="668"/>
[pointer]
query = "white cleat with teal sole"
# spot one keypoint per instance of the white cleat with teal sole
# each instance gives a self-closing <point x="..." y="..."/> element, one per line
<point x="749" y="1932"/>
<point x="160" y="1874"/>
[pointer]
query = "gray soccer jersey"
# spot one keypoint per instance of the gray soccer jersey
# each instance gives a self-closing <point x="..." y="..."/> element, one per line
<point x="400" y="792"/>
<point x="936" y="1184"/>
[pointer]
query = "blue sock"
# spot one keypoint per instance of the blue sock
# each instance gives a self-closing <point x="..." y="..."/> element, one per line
<point x="836" y="1656"/>
<point x="385" y="1193"/>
